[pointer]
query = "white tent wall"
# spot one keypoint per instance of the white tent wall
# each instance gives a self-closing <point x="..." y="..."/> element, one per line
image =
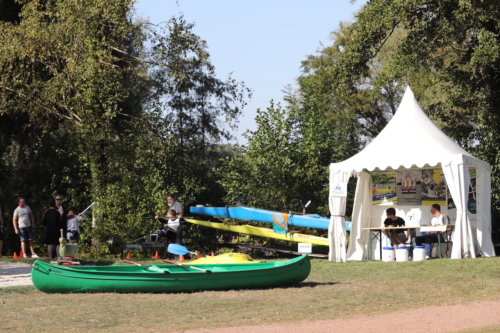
<point x="471" y="235"/>
<point x="457" y="176"/>
<point x="361" y="218"/>
<point x="483" y="223"/>
<point x="336" y="229"/>
<point x="412" y="141"/>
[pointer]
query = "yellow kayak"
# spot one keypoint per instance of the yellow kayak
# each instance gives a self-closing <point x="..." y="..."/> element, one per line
<point x="263" y="232"/>
<point x="227" y="258"/>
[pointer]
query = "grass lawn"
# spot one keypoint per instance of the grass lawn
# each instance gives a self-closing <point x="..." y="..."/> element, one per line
<point x="332" y="290"/>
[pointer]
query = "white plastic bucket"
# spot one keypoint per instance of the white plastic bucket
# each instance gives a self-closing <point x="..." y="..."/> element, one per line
<point x="402" y="253"/>
<point x="388" y="254"/>
<point x="419" y="253"/>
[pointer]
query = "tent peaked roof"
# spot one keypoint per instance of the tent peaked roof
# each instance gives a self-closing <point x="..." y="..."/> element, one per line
<point x="409" y="140"/>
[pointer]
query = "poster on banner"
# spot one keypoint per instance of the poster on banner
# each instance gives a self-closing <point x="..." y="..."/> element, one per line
<point x="338" y="190"/>
<point x="384" y="188"/>
<point x="409" y="187"/>
<point x="434" y="187"/>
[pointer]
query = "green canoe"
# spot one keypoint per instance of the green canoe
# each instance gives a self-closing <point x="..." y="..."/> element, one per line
<point x="133" y="279"/>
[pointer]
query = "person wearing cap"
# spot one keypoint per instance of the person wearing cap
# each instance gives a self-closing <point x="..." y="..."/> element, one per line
<point x="397" y="236"/>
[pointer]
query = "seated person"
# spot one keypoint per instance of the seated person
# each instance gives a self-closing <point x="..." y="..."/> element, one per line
<point x="397" y="236"/>
<point x="432" y="237"/>
<point x="171" y="226"/>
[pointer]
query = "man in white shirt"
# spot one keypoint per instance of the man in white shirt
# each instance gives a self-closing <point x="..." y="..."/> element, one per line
<point x="24" y="216"/>
<point x="175" y="205"/>
<point x="432" y="237"/>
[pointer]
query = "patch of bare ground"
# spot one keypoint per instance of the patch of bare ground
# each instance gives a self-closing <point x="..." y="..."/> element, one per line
<point x="450" y="318"/>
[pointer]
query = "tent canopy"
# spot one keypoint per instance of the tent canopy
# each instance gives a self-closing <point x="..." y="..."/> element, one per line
<point x="410" y="140"/>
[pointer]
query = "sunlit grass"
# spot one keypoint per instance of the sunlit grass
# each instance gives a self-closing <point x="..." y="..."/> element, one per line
<point x="332" y="290"/>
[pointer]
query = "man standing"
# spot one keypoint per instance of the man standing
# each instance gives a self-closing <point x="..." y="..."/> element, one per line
<point x="53" y="222"/>
<point x="175" y="205"/>
<point x="24" y="217"/>
<point x="432" y="237"/>
<point x="2" y="232"/>
<point x="2" y="229"/>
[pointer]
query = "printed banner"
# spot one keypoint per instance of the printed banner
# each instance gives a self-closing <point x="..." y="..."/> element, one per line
<point x="434" y="187"/>
<point x="409" y="187"/>
<point x="338" y="190"/>
<point x="384" y="188"/>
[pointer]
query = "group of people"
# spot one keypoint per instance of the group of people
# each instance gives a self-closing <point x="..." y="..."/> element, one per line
<point x="172" y="220"/>
<point x="399" y="238"/>
<point x="58" y="222"/>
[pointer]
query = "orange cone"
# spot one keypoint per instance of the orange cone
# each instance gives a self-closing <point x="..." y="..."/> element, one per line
<point x="157" y="255"/>
<point x="181" y="258"/>
<point x="15" y="255"/>
<point x="213" y="254"/>
<point x="21" y="254"/>
<point x="129" y="256"/>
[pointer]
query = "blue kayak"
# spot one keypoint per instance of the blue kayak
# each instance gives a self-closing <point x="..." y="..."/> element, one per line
<point x="284" y="220"/>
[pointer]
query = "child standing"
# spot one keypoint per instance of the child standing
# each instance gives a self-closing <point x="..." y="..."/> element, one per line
<point x="73" y="225"/>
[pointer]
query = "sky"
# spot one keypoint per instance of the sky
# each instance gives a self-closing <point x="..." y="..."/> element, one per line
<point x="261" y="42"/>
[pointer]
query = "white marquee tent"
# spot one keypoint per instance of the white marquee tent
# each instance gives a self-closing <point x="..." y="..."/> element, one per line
<point x="410" y="141"/>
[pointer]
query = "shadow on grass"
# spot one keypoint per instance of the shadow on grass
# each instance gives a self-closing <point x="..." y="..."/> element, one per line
<point x="315" y="284"/>
<point x="20" y="290"/>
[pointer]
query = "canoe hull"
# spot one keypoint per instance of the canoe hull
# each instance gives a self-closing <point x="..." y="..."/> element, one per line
<point x="133" y="279"/>
<point x="263" y="232"/>
<point x="263" y="215"/>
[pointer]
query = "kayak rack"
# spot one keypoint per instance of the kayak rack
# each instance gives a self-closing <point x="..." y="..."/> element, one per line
<point x="248" y="249"/>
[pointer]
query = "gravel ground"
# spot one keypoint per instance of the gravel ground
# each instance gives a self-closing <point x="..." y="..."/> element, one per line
<point x="15" y="274"/>
<point x="450" y="318"/>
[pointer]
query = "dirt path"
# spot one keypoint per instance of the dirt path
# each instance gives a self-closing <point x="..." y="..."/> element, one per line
<point x="449" y="318"/>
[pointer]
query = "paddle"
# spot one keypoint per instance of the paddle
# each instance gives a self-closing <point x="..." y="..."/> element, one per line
<point x="144" y="266"/>
<point x="86" y="209"/>
<point x="178" y="250"/>
<point x="164" y="217"/>
<point x="178" y="264"/>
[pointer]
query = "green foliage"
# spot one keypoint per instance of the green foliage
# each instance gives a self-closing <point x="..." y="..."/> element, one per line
<point x="286" y="160"/>
<point x="449" y="54"/>
<point x="98" y="108"/>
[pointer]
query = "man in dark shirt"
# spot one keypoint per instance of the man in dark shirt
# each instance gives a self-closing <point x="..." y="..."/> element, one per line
<point x="397" y="236"/>
<point x="53" y="222"/>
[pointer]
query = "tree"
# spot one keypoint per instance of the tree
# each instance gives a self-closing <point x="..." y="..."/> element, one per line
<point x="451" y="53"/>
<point x="286" y="160"/>
<point x="102" y="109"/>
